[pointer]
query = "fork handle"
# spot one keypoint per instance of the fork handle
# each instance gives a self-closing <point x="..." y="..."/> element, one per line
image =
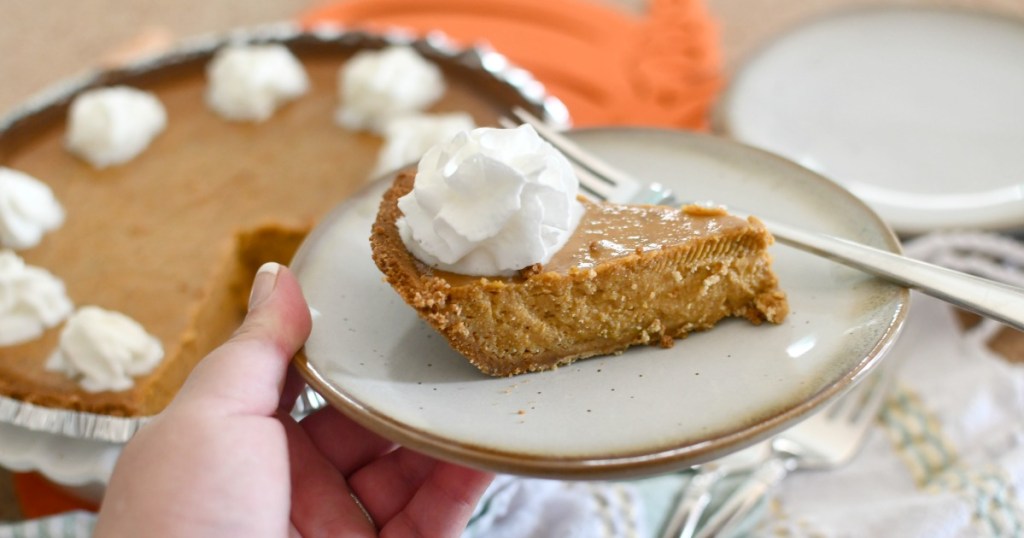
<point x="682" y="523"/>
<point x="738" y="506"/>
<point x="986" y="297"/>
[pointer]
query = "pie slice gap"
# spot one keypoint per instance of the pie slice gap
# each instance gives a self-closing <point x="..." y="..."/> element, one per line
<point x="628" y="275"/>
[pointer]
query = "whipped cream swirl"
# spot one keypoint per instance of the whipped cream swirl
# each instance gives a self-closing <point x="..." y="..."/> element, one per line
<point x="490" y="202"/>
<point x="104" y="350"/>
<point x="28" y="209"/>
<point x="249" y="82"/>
<point x="31" y="300"/>
<point x="407" y="138"/>
<point x="375" y="86"/>
<point x="109" y="126"/>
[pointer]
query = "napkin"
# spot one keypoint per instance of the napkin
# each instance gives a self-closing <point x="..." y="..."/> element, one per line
<point x="519" y="507"/>
<point x="946" y="457"/>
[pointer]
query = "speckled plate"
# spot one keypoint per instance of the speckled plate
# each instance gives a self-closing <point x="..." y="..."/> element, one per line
<point x="646" y="411"/>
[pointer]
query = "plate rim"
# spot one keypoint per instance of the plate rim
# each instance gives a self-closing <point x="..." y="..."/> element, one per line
<point x="622" y="465"/>
<point x="723" y="124"/>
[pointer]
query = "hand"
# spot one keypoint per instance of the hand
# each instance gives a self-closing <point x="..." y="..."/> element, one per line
<point x="225" y="459"/>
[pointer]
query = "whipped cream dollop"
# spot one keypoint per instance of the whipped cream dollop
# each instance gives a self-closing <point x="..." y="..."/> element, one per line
<point x="31" y="300"/>
<point x="377" y="85"/>
<point x="104" y="350"/>
<point x="490" y="202"/>
<point x="113" y="125"/>
<point x="407" y="138"/>
<point x="28" y="209"/>
<point x="249" y="82"/>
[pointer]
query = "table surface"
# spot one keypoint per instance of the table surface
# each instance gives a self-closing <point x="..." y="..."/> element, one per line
<point x="70" y="34"/>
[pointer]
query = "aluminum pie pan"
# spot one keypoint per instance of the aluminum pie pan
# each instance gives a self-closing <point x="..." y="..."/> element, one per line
<point x="434" y="46"/>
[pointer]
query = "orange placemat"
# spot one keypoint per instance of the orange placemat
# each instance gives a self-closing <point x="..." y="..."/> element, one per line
<point x="607" y="66"/>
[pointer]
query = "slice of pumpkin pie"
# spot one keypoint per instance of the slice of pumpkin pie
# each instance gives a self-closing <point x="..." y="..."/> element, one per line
<point x="490" y="244"/>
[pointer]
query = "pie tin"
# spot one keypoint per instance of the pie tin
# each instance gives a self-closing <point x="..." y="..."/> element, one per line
<point x="433" y="46"/>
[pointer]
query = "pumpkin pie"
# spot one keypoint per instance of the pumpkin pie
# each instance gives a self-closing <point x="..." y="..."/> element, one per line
<point x="173" y="237"/>
<point x="628" y="275"/>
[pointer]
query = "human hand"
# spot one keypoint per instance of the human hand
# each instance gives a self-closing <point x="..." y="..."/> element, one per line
<point x="225" y="459"/>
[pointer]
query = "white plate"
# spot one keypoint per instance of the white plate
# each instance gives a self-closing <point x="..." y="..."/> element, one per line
<point x="649" y="410"/>
<point x="920" y="112"/>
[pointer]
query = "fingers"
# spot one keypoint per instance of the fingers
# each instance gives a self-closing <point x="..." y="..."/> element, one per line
<point x="389" y="483"/>
<point x="443" y="504"/>
<point x="405" y="492"/>
<point x="346" y="444"/>
<point x="417" y="495"/>
<point x="322" y="503"/>
<point x="245" y="375"/>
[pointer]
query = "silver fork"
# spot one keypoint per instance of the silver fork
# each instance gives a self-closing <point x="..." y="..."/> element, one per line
<point x="696" y="495"/>
<point x="985" y="297"/>
<point x="308" y="402"/>
<point x="826" y="440"/>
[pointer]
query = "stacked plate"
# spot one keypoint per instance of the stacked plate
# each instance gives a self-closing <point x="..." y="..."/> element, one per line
<point x="919" y="112"/>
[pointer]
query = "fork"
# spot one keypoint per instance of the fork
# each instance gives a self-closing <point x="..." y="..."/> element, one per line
<point x="982" y="296"/>
<point x="826" y="440"/>
<point x="308" y="402"/>
<point x="696" y="495"/>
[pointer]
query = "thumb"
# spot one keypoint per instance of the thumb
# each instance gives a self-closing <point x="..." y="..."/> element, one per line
<point x="245" y="374"/>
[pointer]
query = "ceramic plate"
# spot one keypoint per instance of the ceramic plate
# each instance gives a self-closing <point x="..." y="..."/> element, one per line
<point x="646" y="411"/>
<point x="920" y="112"/>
